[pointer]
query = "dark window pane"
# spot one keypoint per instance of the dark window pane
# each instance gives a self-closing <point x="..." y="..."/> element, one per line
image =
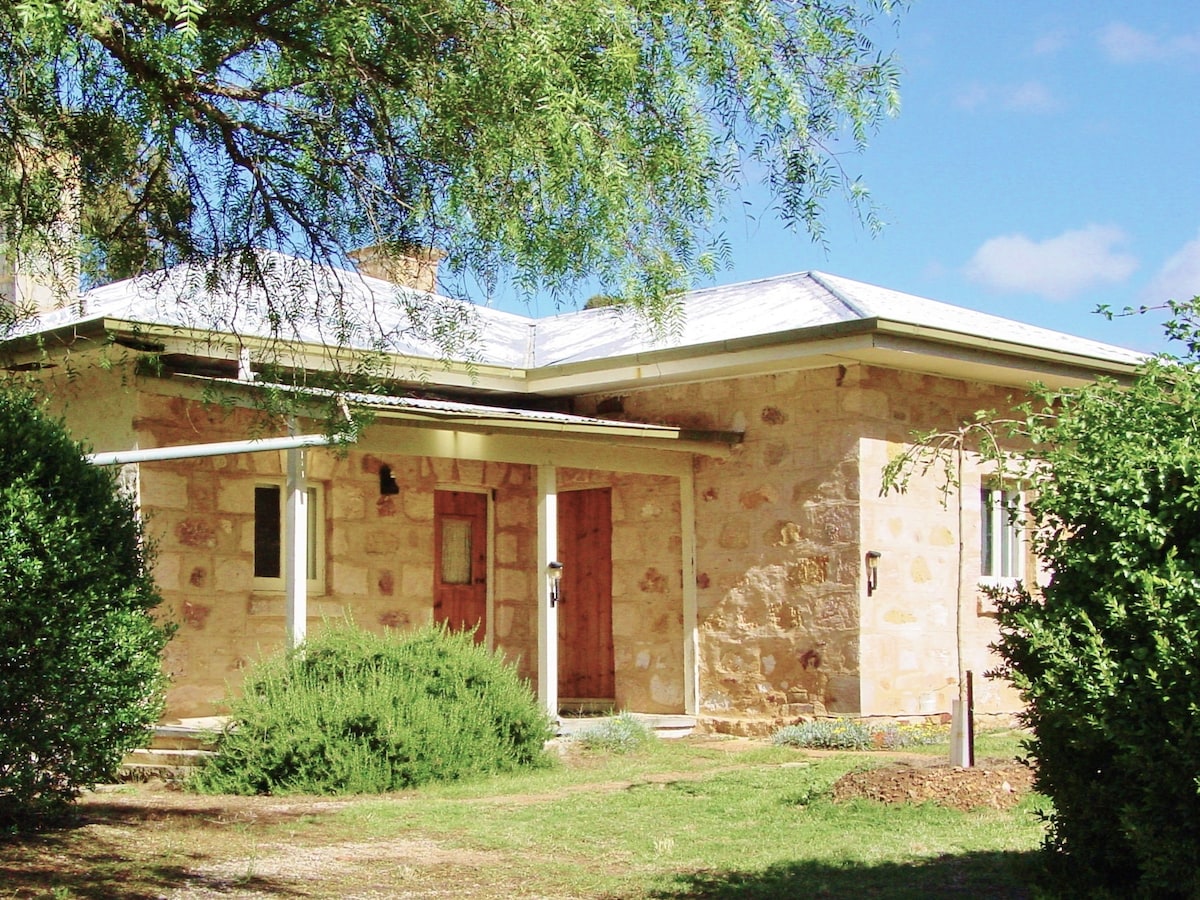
<point x="987" y="522"/>
<point x="267" y="531"/>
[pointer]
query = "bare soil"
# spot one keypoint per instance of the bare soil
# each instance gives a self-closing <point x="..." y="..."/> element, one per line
<point x="999" y="784"/>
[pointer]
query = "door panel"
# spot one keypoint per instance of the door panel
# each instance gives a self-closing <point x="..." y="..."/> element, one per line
<point x="460" y="561"/>
<point x="585" y="641"/>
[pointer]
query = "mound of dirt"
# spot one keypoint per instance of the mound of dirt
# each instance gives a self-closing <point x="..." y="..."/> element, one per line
<point x="999" y="785"/>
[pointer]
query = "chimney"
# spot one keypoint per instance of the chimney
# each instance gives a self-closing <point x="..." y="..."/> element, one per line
<point x="37" y="286"/>
<point x="414" y="267"/>
<point x="43" y="275"/>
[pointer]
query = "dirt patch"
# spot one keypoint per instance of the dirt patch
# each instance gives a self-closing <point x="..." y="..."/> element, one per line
<point x="999" y="785"/>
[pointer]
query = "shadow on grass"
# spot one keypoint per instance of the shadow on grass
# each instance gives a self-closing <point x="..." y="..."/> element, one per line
<point x="146" y="883"/>
<point x="980" y="876"/>
<point x="67" y="858"/>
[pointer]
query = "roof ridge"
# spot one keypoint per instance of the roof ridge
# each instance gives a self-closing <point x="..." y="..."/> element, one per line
<point x="840" y="296"/>
<point x="531" y="344"/>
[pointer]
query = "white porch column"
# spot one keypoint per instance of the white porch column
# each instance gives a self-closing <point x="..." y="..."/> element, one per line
<point x="687" y="530"/>
<point x="547" y="544"/>
<point x="295" y="539"/>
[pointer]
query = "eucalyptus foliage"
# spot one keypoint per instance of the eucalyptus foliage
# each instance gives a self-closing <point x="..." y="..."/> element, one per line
<point x="80" y="672"/>
<point x="549" y="140"/>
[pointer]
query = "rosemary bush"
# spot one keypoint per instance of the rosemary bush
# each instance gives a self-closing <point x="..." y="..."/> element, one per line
<point x="356" y="712"/>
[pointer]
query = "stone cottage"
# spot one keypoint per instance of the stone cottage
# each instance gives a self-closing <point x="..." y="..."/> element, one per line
<point x="685" y="525"/>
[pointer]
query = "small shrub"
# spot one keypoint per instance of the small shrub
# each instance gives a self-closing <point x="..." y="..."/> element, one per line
<point x="356" y="712"/>
<point x="852" y="734"/>
<point x="899" y="735"/>
<point x="622" y="733"/>
<point x="824" y="734"/>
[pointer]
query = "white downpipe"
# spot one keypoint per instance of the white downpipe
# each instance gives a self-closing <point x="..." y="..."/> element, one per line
<point x="547" y="551"/>
<point x="296" y="541"/>
<point x="195" y="451"/>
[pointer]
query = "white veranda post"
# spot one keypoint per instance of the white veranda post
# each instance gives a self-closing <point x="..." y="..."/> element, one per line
<point x="547" y="488"/>
<point x="296" y="542"/>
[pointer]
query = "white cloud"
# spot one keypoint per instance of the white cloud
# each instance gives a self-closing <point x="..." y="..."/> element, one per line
<point x="1179" y="277"/>
<point x="1123" y="43"/>
<point x="1049" y="43"/>
<point x="971" y="97"/>
<point x="1057" y="268"/>
<point x="1032" y="96"/>
<point x="1029" y="96"/>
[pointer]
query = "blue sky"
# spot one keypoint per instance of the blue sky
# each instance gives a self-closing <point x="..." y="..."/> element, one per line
<point x="1044" y="161"/>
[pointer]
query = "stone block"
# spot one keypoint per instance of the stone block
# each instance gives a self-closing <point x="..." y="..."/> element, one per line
<point x="350" y="580"/>
<point x="167" y="570"/>
<point x="470" y="472"/>
<point x="416" y="584"/>
<point x="232" y="574"/>
<point x="236" y="495"/>
<point x="734" y="536"/>
<point x="347" y="502"/>
<point x="163" y="490"/>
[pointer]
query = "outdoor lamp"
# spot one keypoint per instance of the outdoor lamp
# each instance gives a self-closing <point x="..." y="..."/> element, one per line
<point x="387" y="482"/>
<point x="872" y="571"/>
<point x="555" y="575"/>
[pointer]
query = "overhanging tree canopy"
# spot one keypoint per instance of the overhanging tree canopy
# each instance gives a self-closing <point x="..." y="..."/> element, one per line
<point x="549" y="139"/>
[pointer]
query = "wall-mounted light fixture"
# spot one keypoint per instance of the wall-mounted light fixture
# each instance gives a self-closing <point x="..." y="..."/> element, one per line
<point x="387" y="484"/>
<point x="872" y="571"/>
<point x="554" y="574"/>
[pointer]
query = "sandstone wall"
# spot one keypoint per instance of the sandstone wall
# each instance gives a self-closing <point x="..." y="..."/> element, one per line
<point x="909" y="641"/>
<point x="378" y="548"/>
<point x="783" y="525"/>
<point x="98" y="403"/>
<point x="380" y="555"/>
<point x="777" y="539"/>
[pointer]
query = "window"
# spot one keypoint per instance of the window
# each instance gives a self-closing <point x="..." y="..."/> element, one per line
<point x="1002" y="547"/>
<point x="270" y="551"/>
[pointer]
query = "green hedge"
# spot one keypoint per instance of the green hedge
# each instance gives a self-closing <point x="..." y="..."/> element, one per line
<point x="80" y="671"/>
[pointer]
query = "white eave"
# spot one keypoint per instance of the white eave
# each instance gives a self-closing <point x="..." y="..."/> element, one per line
<point x="873" y="341"/>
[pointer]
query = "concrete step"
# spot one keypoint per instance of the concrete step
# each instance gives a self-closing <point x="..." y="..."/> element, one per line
<point x="188" y="734"/>
<point x="665" y="726"/>
<point x="161" y="764"/>
<point x="157" y="756"/>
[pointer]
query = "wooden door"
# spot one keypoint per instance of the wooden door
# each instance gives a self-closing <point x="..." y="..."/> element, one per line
<point x="460" y="561"/>
<point x="585" y="641"/>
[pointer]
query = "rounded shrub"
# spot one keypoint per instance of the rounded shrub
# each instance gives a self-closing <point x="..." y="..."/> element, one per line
<point x="622" y="733"/>
<point x="351" y="711"/>
<point x="80" y="673"/>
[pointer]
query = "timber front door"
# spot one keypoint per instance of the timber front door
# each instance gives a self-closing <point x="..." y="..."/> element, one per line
<point x="460" y="561"/>
<point x="585" y="639"/>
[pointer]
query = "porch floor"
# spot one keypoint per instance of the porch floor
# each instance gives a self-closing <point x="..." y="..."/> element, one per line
<point x="665" y="726"/>
<point x="176" y="747"/>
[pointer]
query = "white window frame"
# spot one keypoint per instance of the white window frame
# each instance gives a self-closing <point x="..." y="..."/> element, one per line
<point x="316" y="537"/>
<point x="1000" y="530"/>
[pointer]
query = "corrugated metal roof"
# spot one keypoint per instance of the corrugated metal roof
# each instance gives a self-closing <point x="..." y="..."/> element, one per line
<point x="477" y="414"/>
<point x="401" y="321"/>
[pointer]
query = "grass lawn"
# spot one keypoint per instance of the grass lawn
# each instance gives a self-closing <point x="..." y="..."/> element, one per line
<point x="692" y="818"/>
